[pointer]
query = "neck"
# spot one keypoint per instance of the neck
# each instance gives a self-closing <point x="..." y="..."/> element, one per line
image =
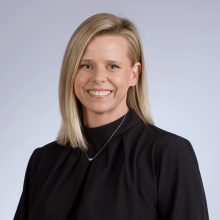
<point x="92" y="119"/>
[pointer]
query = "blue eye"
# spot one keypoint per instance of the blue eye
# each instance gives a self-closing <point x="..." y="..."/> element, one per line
<point x="114" y="66"/>
<point x="86" y="66"/>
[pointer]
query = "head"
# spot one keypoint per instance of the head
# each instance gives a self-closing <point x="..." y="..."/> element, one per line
<point x="105" y="66"/>
<point x="105" y="52"/>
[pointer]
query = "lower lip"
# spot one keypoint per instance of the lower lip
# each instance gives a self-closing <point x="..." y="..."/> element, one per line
<point x="100" y="96"/>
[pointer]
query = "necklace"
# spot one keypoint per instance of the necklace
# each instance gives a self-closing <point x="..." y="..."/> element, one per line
<point x="90" y="159"/>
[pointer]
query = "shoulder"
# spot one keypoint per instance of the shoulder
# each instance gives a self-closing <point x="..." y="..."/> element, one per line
<point x="169" y="149"/>
<point x="166" y="153"/>
<point x="42" y="161"/>
<point x="156" y="137"/>
<point x="161" y="138"/>
<point x="163" y="144"/>
<point x="47" y="147"/>
<point x="46" y="153"/>
<point x="159" y="134"/>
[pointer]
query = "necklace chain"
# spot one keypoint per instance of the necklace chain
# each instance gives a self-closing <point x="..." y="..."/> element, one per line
<point x="90" y="159"/>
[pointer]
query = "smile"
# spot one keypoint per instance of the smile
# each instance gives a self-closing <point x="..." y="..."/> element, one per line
<point x="99" y="94"/>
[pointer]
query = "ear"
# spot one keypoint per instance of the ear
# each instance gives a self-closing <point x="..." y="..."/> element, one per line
<point x="135" y="73"/>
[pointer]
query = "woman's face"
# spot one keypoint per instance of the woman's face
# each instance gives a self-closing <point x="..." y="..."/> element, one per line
<point x="105" y="67"/>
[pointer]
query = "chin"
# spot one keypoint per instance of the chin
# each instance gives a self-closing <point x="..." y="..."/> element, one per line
<point x="99" y="110"/>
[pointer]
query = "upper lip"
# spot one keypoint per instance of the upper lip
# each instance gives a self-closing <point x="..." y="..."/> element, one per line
<point x="99" y="90"/>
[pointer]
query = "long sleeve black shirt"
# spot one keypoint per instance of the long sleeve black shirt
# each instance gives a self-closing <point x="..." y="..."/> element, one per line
<point x="143" y="173"/>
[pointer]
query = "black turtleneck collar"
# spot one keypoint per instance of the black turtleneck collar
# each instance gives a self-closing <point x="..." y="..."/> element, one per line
<point x="100" y="135"/>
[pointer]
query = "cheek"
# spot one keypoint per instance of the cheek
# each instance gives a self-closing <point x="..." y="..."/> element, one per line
<point x="79" y="83"/>
<point x="121" y="81"/>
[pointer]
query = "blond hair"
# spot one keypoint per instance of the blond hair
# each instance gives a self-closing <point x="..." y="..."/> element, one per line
<point x="70" y="107"/>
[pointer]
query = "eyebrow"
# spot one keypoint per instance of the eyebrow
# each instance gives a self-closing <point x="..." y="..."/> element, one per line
<point x="108" y="61"/>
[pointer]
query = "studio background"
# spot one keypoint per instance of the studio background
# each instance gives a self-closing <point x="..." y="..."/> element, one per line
<point x="181" y="46"/>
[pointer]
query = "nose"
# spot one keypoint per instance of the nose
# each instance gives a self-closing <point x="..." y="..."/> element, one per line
<point x="99" y="75"/>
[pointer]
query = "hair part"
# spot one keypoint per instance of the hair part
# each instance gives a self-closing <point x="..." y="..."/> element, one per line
<point x="71" y="131"/>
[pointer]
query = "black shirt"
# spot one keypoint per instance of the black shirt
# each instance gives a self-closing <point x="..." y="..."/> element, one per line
<point x="143" y="173"/>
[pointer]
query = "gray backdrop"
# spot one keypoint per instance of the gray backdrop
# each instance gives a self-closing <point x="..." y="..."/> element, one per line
<point x="181" y="45"/>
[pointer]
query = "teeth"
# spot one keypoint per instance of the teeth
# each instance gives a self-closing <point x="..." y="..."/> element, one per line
<point x="99" y="93"/>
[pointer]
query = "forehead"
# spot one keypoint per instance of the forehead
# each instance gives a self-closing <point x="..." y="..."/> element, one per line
<point x="107" y="45"/>
<point x="108" y="39"/>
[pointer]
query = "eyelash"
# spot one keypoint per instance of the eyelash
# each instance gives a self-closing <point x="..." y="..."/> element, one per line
<point x="84" y="65"/>
<point x="90" y="65"/>
<point x="115" y="66"/>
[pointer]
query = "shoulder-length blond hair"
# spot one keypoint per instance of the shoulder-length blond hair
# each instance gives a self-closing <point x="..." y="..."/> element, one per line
<point x="70" y="107"/>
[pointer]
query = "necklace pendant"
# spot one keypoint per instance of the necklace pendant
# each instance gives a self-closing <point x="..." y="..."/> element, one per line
<point x="90" y="159"/>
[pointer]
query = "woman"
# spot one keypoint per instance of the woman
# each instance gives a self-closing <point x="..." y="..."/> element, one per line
<point x="109" y="160"/>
